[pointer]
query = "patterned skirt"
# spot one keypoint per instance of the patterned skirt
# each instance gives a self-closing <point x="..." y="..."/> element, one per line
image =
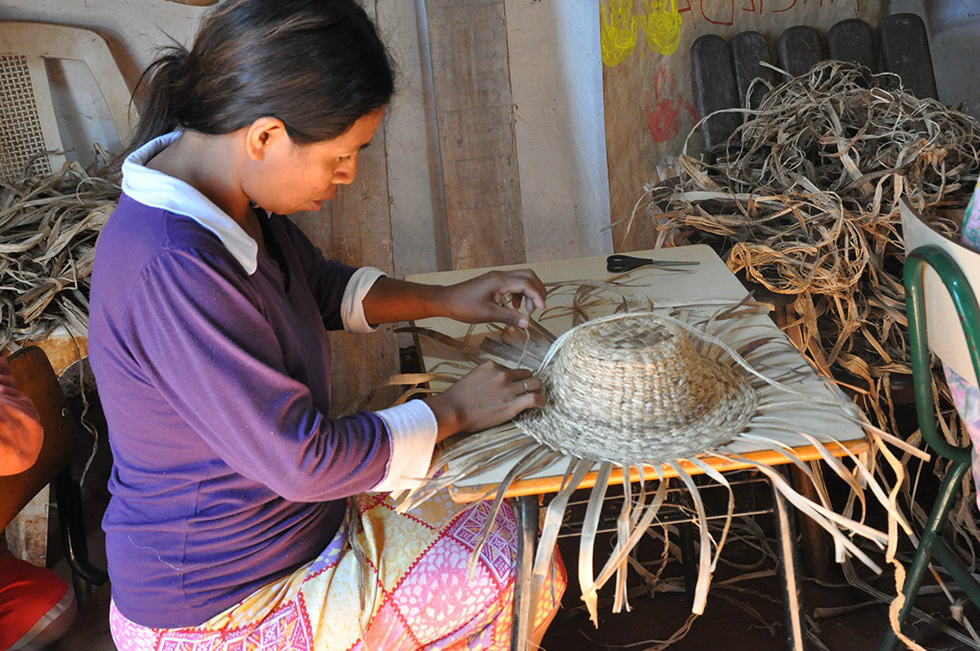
<point x="417" y="592"/>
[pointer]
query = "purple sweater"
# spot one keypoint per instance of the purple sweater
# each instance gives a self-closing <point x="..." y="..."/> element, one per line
<point x="215" y="384"/>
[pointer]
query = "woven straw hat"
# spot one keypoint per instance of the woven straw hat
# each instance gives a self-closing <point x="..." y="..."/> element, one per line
<point x="637" y="386"/>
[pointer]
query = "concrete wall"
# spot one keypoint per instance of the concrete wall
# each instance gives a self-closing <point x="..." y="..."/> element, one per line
<point x="556" y="82"/>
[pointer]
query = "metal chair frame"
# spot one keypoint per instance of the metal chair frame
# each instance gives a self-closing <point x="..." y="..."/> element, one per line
<point x="931" y="546"/>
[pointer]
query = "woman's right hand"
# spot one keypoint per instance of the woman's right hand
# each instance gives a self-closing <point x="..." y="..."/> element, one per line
<point x="488" y="395"/>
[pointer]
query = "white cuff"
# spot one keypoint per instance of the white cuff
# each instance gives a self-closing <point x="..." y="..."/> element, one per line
<point x="352" y="305"/>
<point x="412" y="428"/>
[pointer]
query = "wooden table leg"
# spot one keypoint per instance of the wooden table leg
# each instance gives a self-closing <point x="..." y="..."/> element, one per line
<point x="526" y="514"/>
<point x="789" y="573"/>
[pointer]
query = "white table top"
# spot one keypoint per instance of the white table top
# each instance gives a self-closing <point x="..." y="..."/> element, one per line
<point x="711" y="280"/>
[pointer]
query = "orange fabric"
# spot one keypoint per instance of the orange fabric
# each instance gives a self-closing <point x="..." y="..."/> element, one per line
<point x="27" y="594"/>
<point x="20" y="432"/>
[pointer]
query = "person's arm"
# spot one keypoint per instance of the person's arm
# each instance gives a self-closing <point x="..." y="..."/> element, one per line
<point x="485" y="397"/>
<point x="488" y="395"/>
<point x="21" y="434"/>
<point x="479" y="300"/>
<point x="336" y="287"/>
<point x="199" y="333"/>
<point x="360" y="299"/>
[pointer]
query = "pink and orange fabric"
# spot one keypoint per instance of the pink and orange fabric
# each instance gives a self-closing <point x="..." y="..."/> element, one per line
<point x="418" y="592"/>
<point x="20" y="432"/>
<point x="36" y="605"/>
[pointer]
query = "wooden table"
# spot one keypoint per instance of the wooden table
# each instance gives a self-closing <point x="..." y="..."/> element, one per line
<point x="711" y="280"/>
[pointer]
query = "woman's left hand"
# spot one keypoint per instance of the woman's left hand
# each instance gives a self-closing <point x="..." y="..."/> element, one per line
<point x="484" y="298"/>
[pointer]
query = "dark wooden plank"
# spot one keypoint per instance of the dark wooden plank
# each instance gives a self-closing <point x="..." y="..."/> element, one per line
<point x="475" y="117"/>
<point x="713" y="76"/>
<point x="905" y="51"/>
<point x="800" y="47"/>
<point x="356" y="229"/>
<point x="749" y="51"/>
<point x="851" y="40"/>
<point x="362" y="236"/>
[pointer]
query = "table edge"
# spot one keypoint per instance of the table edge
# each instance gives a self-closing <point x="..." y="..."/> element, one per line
<point x="544" y="485"/>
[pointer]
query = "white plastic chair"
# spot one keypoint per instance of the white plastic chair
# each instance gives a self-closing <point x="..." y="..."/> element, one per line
<point x="28" y="126"/>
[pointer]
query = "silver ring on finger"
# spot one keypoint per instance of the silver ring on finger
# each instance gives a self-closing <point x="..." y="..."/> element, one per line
<point x="527" y="389"/>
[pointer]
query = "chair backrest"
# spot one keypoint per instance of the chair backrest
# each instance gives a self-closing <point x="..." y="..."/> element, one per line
<point x="28" y="126"/>
<point x="722" y="72"/>
<point x="944" y="316"/>
<point x="944" y="324"/>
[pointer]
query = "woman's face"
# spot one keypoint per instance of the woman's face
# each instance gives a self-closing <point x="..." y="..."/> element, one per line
<point x="287" y="178"/>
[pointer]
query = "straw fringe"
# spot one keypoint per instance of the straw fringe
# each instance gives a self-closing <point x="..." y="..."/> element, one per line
<point x="720" y="336"/>
<point x="896" y="606"/>
<point x="586" y="563"/>
<point x="705" y="568"/>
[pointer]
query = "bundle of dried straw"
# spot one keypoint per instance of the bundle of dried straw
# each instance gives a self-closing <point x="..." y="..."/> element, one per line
<point x="804" y="199"/>
<point x="655" y="392"/>
<point x="48" y="229"/>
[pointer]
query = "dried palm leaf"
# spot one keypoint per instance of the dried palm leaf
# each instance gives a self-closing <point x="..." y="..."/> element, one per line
<point x="48" y="229"/>
<point x="804" y="200"/>
<point x="664" y="393"/>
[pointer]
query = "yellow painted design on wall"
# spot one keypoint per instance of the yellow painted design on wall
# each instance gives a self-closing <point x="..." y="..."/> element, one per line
<point x="618" y="31"/>
<point x="662" y="26"/>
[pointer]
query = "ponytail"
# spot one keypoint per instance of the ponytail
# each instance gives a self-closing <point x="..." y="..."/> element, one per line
<point x="158" y="91"/>
<point x="317" y="65"/>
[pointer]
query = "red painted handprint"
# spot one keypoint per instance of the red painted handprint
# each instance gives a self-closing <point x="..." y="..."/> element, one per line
<point x="663" y="118"/>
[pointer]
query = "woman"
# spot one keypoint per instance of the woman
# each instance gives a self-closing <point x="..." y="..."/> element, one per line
<point x="208" y="340"/>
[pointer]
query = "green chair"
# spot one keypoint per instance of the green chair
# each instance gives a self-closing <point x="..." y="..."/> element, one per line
<point x="932" y="253"/>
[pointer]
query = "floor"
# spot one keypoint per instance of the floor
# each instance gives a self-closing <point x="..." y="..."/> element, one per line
<point x="743" y="616"/>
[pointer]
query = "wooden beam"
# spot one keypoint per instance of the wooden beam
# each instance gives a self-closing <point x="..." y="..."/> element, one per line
<point x="475" y="117"/>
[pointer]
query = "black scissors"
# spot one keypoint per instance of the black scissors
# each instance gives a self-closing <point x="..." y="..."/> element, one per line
<point x="620" y="263"/>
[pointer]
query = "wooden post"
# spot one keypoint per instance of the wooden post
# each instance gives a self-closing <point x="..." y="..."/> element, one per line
<point x="356" y="229"/>
<point x="475" y="117"/>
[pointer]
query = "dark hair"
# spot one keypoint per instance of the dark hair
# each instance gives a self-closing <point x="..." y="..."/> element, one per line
<point x="317" y="65"/>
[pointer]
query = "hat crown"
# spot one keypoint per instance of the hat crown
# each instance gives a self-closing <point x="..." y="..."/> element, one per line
<point x="639" y="374"/>
<point x="630" y="387"/>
